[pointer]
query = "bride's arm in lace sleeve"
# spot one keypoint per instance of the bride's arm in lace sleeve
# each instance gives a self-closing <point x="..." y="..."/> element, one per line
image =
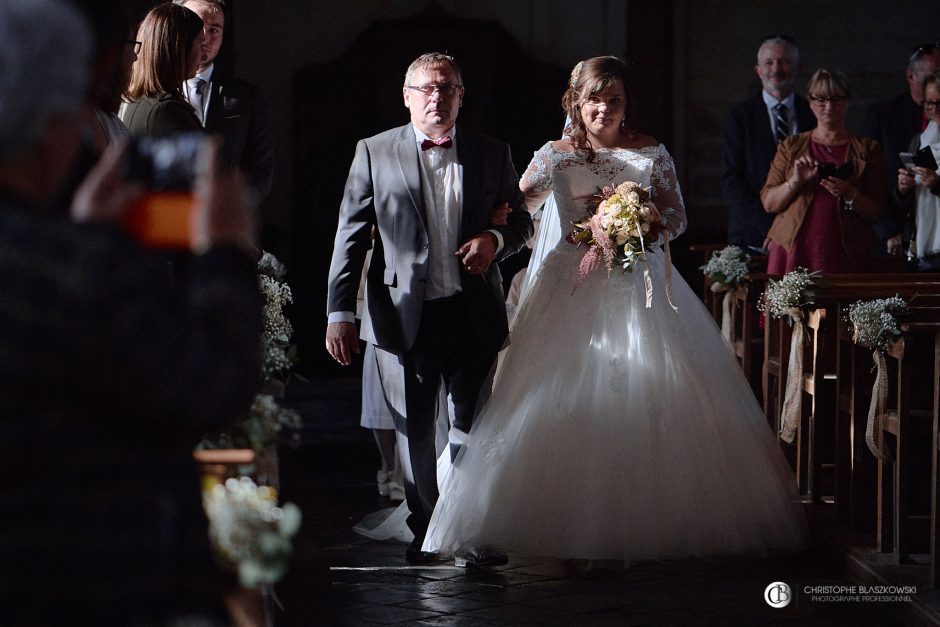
<point x="666" y="194"/>
<point x="536" y="182"/>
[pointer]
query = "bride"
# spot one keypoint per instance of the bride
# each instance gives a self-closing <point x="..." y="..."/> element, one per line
<point x="618" y="428"/>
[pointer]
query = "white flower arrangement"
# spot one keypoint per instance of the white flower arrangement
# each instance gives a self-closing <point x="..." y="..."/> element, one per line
<point x="275" y="341"/>
<point x="727" y="267"/>
<point x="874" y="322"/>
<point x="791" y="293"/>
<point x="249" y="532"/>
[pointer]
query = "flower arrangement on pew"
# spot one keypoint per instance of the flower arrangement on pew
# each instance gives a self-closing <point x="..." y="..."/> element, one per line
<point x="267" y="423"/>
<point x="789" y="297"/>
<point x="874" y="325"/>
<point x="791" y="294"/>
<point x="250" y="534"/>
<point x="726" y="270"/>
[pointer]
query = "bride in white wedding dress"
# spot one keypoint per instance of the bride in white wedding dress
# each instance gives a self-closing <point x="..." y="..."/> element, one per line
<point x="615" y="430"/>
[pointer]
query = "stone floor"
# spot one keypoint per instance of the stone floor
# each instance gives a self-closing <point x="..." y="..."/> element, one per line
<point x="340" y="578"/>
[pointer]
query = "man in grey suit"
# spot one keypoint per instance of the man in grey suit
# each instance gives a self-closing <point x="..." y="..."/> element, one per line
<point x="434" y="299"/>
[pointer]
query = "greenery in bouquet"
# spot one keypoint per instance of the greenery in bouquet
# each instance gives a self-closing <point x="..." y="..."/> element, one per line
<point x="250" y="534"/>
<point x="875" y="322"/>
<point x="727" y="267"/>
<point x="618" y="231"/>
<point x="794" y="291"/>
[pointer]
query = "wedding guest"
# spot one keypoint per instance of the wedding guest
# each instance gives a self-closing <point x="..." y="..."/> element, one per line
<point x="753" y="129"/>
<point x="613" y="416"/>
<point x="107" y="378"/>
<point x="172" y="48"/>
<point x="918" y="190"/>
<point x="825" y="188"/>
<point x="893" y="123"/>
<point x="434" y="300"/>
<point x="240" y="117"/>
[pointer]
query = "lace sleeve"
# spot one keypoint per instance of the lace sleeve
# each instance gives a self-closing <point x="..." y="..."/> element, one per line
<point x="667" y="195"/>
<point x="536" y="182"/>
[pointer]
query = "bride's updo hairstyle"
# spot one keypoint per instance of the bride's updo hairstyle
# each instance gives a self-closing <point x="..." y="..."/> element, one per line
<point x="587" y="78"/>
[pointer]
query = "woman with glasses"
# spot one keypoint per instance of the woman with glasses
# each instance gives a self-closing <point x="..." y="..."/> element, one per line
<point x="826" y="188"/>
<point x="917" y="193"/>
<point x="171" y="38"/>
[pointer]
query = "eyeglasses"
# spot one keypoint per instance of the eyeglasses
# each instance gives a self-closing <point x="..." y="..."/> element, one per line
<point x="446" y="89"/>
<point x="918" y="51"/>
<point x="931" y="105"/>
<point x="136" y="44"/>
<point x="835" y="101"/>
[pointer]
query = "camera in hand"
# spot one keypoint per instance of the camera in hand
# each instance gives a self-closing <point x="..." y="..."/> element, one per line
<point x="167" y="167"/>
<point x="824" y="170"/>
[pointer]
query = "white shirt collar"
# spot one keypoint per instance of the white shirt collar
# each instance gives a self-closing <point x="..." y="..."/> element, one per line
<point x="772" y="102"/>
<point x="204" y="75"/>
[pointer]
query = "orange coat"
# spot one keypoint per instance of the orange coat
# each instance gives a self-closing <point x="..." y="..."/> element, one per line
<point x="868" y="177"/>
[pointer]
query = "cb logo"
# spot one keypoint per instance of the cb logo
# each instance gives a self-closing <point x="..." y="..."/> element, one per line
<point x="778" y="594"/>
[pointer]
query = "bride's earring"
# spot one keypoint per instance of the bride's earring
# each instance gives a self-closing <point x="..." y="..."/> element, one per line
<point x="623" y="123"/>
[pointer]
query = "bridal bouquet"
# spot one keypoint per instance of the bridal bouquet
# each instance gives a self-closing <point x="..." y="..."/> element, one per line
<point x="790" y="294"/>
<point x="618" y="231"/>
<point x="874" y="322"/>
<point x="726" y="268"/>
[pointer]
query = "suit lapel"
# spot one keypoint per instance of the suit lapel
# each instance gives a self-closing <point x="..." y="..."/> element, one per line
<point x="762" y="119"/>
<point x="215" y="110"/>
<point x="468" y="158"/>
<point x="406" y="149"/>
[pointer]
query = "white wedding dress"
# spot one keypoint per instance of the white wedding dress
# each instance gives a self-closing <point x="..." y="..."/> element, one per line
<point x="615" y="431"/>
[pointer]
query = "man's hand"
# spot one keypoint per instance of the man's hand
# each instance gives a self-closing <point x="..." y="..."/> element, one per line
<point x="342" y="341"/>
<point x="893" y="245"/>
<point x="477" y="253"/>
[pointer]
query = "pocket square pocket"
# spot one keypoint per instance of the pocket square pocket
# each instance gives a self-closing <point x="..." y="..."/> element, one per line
<point x="390" y="277"/>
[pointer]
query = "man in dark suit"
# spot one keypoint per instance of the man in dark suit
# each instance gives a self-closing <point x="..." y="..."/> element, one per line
<point x="434" y="299"/>
<point x="894" y="122"/>
<point x="230" y="106"/>
<point x="753" y="129"/>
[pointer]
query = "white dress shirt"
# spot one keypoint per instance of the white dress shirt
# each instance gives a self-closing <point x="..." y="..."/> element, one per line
<point x="442" y="189"/>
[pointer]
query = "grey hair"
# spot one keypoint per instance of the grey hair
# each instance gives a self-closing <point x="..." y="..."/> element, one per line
<point x="45" y="54"/>
<point x="430" y="59"/>
<point x="784" y="41"/>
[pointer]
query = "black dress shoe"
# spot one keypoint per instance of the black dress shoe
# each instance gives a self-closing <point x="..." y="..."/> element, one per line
<point x="414" y="555"/>
<point x="483" y="557"/>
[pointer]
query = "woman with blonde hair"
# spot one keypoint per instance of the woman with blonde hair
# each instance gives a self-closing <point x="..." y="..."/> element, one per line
<point x="171" y="49"/>
<point x="826" y="188"/>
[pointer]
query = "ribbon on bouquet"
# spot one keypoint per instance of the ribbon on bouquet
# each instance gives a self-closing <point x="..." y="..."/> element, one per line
<point x="648" y="281"/>
<point x="793" y="399"/>
<point x="875" y="430"/>
<point x="718" y="288"/>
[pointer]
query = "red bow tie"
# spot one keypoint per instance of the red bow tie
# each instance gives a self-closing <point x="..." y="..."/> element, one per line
<point x="442" y="142"/>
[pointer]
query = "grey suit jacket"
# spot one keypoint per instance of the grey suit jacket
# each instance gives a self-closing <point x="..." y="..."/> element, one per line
<point x="384" y="190"/>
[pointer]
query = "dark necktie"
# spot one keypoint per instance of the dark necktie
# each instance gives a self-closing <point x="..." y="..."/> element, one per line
<point x="197" y="98"/>
<point x="781" y="123"/>
<point x="441" y="142"/>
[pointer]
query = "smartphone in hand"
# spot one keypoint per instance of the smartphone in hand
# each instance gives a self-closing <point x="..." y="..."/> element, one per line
<point x="167" y="167"/>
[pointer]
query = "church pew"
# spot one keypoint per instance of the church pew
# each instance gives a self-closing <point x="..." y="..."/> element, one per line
<point x="816" y="439"/>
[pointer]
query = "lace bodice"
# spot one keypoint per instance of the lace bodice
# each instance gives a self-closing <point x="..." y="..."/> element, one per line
<point x="573" y="180"/>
